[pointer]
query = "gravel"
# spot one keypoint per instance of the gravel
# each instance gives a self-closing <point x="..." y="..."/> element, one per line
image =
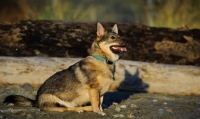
<point x="116" y="105"/>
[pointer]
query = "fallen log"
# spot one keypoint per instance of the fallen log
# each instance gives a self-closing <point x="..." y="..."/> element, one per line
<point x="130" y="76"/>
<point x="72" y="39"/>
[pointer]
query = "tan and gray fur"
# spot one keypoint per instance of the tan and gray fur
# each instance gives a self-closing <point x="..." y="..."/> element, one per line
<point x="84" y="82"/>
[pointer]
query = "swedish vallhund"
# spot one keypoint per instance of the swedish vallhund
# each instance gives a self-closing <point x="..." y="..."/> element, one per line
<point x="84" y="82"/>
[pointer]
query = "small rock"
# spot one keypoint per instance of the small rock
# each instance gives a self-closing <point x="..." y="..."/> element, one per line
<point x="119" y="115"/>
<point x="27" y="86"/>
<point x="29" y="116"/>
<point x="9" y="104"/>
<point x="114" y="103"/>
<point x="118" y="109"/>
<point x="155" y="100"/>
<point x="11" y="110"/>
<point x="169" y="110"/>
<point x="133" y="105"/>
<point x="161" y="111"/>
<point x="131" y="115"/>
<point x="165" y="103"/>
<point x="123" y="106"/>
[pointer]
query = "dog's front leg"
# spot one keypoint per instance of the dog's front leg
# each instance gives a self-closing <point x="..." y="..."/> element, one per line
<point x="95" y="101"/>
<point x="101" y="102"/>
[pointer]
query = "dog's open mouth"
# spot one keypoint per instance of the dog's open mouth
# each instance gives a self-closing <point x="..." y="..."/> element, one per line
<point x="118" y="49"/>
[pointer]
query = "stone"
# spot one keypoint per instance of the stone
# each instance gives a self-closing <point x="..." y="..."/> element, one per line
<point x="118" y="109"/>
<point x="161" y="111"/>
<point x="27" y="86"/>
<point x="133" y="105"/>
<point x="118" y="115"/>
<point x="123" y="106"/>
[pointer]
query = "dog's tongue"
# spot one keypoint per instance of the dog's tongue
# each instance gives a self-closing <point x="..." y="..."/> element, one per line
<point x="123" y="49"/>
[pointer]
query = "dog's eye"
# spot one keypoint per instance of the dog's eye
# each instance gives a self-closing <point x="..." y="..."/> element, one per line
<point x="113" y="37"/>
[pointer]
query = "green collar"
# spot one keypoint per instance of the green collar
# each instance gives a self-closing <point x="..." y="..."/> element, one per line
<point x="102" y="59"/>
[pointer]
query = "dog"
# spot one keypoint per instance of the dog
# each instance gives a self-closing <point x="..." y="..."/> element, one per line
<point x="84" y="82"/>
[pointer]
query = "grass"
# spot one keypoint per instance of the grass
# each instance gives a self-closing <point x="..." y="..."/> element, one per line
<point x="158" y="13"/>
<point x="176" y="13"/>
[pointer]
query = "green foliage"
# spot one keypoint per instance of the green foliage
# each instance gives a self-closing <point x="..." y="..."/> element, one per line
<point x="159" y="13"/>
<point x="175" y="13"/>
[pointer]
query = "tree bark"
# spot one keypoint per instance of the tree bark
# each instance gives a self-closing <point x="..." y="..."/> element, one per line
<point x="72" y="39"/>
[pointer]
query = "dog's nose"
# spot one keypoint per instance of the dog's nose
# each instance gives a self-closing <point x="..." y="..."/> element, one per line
<point x="127" y="41"/>
<point x="124" y="43"/>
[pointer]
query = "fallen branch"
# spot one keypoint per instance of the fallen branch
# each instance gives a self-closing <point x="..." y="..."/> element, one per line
<point x="130" y="75"/>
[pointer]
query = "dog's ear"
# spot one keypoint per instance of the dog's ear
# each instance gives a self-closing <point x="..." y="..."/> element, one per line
<point x="100" y="30"/>
<point x="115" y="29"/>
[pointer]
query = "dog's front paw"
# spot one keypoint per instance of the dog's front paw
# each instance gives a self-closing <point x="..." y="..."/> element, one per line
<point x="79" y="110"/>
<point x="100" y="112"/>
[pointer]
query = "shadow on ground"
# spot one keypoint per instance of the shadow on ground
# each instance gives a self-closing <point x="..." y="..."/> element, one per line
<point x="135" y="84"/>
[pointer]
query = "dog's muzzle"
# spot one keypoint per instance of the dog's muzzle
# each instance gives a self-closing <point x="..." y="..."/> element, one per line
<point x="119" y="48"/>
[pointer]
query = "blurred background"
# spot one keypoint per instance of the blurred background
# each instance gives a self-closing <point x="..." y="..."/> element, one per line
<point x="158" y="13"/>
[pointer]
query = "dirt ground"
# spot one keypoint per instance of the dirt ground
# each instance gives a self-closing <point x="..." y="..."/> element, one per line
<point x="116" y="105"/>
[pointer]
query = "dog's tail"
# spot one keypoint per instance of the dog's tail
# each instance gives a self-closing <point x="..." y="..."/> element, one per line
<point x="19" y="100"/>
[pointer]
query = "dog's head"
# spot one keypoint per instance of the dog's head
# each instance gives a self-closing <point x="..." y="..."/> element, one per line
<point x="108" y="44"/>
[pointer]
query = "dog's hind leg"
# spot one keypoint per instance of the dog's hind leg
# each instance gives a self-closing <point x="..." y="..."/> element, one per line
<point x="86" y="108"/>
<point x="50" y="102"/>
<point x="81" y="109"/>
<point x="57" y="109"/>
<point x="64" y="109"/>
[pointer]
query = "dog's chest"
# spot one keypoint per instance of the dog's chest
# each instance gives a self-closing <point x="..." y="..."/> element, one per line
<point x="105" y="83"/>
<point x="106" y="79"/>
<point x="105" y="88"/>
